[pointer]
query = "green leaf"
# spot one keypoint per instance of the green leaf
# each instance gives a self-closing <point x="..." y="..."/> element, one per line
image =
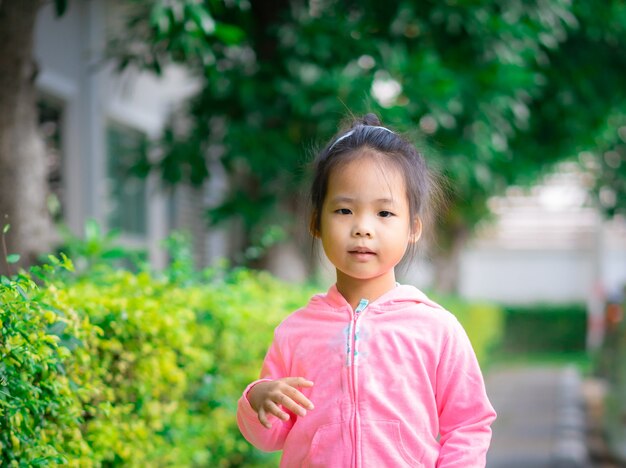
<point x="156" y="66"/>
<point x="51" y="308"/>
<point x="53" y="260"/>
<point x="202" y="18"/>
<point x="13" y="258"/>
<point x="92" y="229"/>
<point x="229" y="34"/>
<point x="115" y="252"/>
<point x="56" y="328"/>
<point x="70" y="342"/>
<point x="60" y="6"/>
<point x="45" y="461"/>
<point x="160" y="19"/>
<point x="66" y="262"/>
<point x="22" y="292"/>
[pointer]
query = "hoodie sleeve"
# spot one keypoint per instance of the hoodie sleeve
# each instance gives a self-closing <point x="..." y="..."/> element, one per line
<point x="272" y="439"/>
<point x="465" y="413"/>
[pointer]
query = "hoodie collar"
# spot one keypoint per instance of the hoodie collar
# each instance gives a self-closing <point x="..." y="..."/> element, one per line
<point x="390" y="300"/>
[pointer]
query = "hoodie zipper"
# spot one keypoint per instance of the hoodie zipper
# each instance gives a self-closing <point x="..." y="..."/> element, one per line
<point x="353" y="357"/>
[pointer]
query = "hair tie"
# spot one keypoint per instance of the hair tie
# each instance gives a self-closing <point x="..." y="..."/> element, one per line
<point x="346" y="135"/>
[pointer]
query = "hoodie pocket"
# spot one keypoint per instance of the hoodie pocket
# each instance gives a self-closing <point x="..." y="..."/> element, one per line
<point x="330" y="447"/>
<point x="383" y="445"/>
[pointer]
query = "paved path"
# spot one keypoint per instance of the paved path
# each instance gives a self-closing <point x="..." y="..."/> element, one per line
<point x="541" y="418"/>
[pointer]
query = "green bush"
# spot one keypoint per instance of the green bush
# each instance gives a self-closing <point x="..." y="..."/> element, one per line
<point x="545" y="328"/>
<point x="40" y="409"/>
<point x="123" y="369"/>
<point x="483" y="322"/>
<point x="113" y="368"/>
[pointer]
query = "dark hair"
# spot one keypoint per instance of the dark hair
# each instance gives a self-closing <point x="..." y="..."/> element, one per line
<point x="368" y="133"/>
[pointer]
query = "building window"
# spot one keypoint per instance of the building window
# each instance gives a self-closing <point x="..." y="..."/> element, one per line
<point x="127" y="190"/>
<point x="50" y="128"/>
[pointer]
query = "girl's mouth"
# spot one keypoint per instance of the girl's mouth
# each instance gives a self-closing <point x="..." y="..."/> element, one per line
<point x="362" y="253"/>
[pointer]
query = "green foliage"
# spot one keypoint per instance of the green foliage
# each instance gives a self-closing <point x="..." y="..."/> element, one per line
<point x="36" y="396"/>
<point x="611" y="366"/>
<point x="541" y="328"/>
<point x="501" y="90"/>
<point x="9" y="259"/>
<point x="483" y="322"/>
<point x="108" y="367"/>
<point x="157" y="32"/>
<point x="99" y="249"/>
<point x="607" y="164"/>
<point x="586" y="103"/>
<point x="60" y="6"/>
<point x="131" y="370"/>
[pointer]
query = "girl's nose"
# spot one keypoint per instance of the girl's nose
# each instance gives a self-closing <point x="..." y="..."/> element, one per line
<point x="361" y="230"/>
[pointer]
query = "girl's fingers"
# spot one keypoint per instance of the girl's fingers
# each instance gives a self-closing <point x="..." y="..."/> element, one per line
<point x="263" y="418"/>
<point x="297" y="382"/>
<point x="285" y="395"/>
<point x="302" y="400"/>
<point x="289" y="404"/>
<point x="273" y="408"/>
<point x="299" y="398"/>
<point x="296" y="395"/>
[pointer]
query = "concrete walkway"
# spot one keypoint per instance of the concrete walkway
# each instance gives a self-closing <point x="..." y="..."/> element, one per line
<point x="541" y="418"/>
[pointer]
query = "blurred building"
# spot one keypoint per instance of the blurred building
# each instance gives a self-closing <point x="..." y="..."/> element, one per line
<point x="97" y="121"/>
<point x="547" y="243"/>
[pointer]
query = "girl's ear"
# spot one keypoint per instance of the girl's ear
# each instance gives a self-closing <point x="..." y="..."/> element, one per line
<point x="416" y="232"/>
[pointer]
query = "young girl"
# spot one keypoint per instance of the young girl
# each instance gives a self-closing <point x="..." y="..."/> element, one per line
<point x="372" y="373"/>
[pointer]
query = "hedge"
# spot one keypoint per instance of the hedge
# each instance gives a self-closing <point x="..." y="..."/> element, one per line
<point x="116" y="368"/>
<point x="483" y="322"/>
<point x="131" y="370"/>
<point x="545" y="328"/>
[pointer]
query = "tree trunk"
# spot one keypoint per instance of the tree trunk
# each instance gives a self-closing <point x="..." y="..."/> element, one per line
<point x="23" y="175"/>
<point x="447" y="261"/>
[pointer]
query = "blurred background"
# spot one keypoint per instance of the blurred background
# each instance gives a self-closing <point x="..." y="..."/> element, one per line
<point x="126" y="123"/>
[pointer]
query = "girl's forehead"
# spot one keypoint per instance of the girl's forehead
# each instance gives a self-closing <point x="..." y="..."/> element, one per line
<point x="368" y="174"/>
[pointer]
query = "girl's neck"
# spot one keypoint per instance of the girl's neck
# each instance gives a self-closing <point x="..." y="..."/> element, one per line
<point x="353" y="289"/>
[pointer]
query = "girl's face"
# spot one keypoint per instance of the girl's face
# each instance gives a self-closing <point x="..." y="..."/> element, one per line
<point x="365" y="225"/>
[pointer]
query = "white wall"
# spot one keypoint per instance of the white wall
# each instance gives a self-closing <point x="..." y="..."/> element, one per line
<point x="547" y="244"/>
<point x="515" y="276"/>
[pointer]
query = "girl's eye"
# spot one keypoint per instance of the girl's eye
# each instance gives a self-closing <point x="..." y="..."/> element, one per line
<point x="385" y="214"/>
<point x="343" y="211"/>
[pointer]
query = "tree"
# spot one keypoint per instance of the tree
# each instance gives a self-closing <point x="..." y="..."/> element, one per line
<point x="499" y="91"/>
<point x="608" y="165"/>
<point x="22" y="159"/>
<point x="590" y="101"/>
<point x="497" y="88"/>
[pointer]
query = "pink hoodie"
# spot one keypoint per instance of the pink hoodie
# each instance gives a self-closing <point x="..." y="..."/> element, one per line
<point x="397" y="384"/>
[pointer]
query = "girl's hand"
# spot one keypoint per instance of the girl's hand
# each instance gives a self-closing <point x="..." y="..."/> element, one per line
<point x="265" y="398"/>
